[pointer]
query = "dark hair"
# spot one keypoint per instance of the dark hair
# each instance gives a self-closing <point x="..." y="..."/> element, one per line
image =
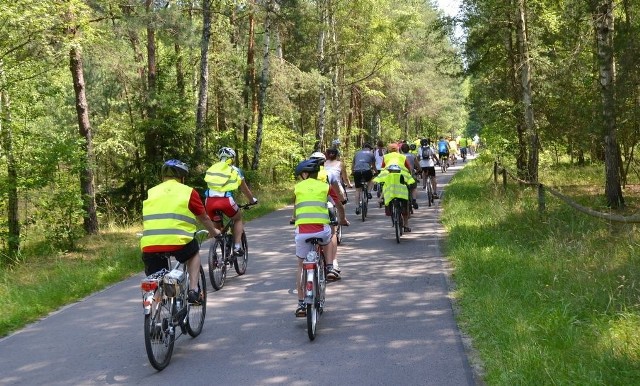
<point x="380" y="143"/>
<point x="404" y="148"/>
<point x="332" y="154"/>
<point x="367" y="146"/>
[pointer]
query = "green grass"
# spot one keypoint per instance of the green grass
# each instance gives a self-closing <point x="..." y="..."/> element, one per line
<point x="550" y="299"/>
<point x="44" y="281"/>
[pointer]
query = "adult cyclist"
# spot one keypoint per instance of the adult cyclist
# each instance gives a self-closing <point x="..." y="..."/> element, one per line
<point x="223" y="178"/>
<point x="364" y="167"/>
<point x="169" y="217"/>
<point x="443" y="150"/>
<point x="428" y="161"/>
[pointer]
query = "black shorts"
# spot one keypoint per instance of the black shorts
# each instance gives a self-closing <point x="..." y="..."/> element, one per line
<point x="430" y="171"/>
<point x="443" y="155"/>
<point x="155" y="261"/>
<point x="360" y="177"/>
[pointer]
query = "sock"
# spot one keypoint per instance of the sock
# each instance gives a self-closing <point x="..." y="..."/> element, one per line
<point x="329" y="267"/>
<point x="237" y="246"/>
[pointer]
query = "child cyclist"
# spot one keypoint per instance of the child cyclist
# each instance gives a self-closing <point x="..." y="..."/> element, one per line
<point x="394" y="181"/>
<point x="311" y="218"/>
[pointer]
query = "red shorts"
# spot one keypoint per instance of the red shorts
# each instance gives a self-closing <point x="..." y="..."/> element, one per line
<point x="226" y="205"/>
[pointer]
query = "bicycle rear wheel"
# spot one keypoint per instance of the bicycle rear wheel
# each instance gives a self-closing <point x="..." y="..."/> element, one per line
<point x="313" y="311"/>
<point x="197" y="312"/>
<point x="397" y="218"/>
<point x="158" y="339"/>
<point x="429" y="191"/>
<point x="363" y="203"/>
<point x="240" y="263"/>
<point x="339" y="233"/>
<point x="217" y="263"/>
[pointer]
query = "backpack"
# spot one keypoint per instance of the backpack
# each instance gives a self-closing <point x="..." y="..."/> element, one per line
<point x="426" y="152"/>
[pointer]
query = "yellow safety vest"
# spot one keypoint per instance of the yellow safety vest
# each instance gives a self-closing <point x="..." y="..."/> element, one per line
<point x="166" y="217"/>
<point x="311" y="202"/>
<point x="392" y="187"/>
<point x="395" y="158"/>
<point x="221" y="177"/>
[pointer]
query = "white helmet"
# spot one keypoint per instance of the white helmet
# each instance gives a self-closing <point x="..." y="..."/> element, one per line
<point x="393" y="168"/>
<point x="336" y="142"/>
<point x="226" y="152"/>
<point x="319" y="155"/>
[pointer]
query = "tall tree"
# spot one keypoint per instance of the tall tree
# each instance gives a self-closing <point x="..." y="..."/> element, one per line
<point x="604" y="25"/>
<point x="270" y="7"/>
<point x="203" y="82"/>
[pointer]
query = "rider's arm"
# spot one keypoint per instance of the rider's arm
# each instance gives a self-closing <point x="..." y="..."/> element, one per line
<point x="208" y="225"/>
<point x="334" y="193"/>
<point x="244" y="188"/>
<point x="344" y="175"/>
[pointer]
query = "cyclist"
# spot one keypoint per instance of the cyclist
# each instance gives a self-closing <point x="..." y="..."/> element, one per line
<point x="337" y="168"/>
<point x="169" y="217"/>
<point x="339" y="198"/>
<point x="364" y="167"/>
<point x="394" y="182"/>
<point x="414" y="167"/>
<point x="453" y="150"/>
<point x="222" y="179"/>
<point x="312" y="220"/>
<point x="428" y="160"/>
<point x="379" y="153"/>
<point x="464" y="145"/>
<point x="443" y="150"/>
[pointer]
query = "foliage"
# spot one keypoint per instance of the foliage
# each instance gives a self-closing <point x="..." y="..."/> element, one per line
<point x="547" y="300"/>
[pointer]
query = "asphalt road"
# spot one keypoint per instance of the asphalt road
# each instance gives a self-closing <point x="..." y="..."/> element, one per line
<point x="389" y="321"/>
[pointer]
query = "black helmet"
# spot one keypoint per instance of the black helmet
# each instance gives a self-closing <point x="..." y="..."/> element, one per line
<point x="308" y="165"/>
<point x="412" y="146"/>
<point x="424" y="142"/>
<point x="367" y="146"/>
<point x="175" y="169"/>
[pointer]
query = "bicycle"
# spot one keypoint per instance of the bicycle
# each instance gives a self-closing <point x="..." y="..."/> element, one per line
<point x="165" y="303"/>
<point x="221" y="253"/>
<point x="314" y="279"/>
<point x="430" y="198"/>
<point x="364" y="202"/>
<point x="333" y="214"/>
<point x="396" y="205"/>
<point x="444" y="164"/>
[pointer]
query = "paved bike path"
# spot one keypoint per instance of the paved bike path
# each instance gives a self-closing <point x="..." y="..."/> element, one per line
<point x="389" y="321"/>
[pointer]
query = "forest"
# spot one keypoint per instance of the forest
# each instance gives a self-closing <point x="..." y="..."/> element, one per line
<point x="96" y="94"/>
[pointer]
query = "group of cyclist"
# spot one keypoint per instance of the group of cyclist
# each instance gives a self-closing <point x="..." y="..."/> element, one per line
<point x="172" y="209"/>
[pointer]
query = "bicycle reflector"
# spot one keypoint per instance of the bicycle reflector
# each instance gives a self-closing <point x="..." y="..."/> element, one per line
<point x="309" y="265"/>
<point x="149" y="285"/>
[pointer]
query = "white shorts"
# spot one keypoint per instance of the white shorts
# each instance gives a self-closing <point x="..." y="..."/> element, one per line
<point x="302" y="248"/>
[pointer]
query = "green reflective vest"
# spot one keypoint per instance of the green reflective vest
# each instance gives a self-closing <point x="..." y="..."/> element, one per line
<point x="221" y="177"/>
<point x="311" y="202"/>
<point x="166" y="217"/>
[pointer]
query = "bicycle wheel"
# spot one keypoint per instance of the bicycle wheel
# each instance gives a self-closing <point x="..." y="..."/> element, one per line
<point x="217" y="263"/>
<point x="313" y="312"/>
<point x="429" y="191"/>
<point x="363" y="203"/>
<point x="240" y="263"/>
<point x="339" y="233"/>
<point x="158" y="339"/>
<point x="197" y="312"/>
<point x="397" y="219"/>
<point x="365" y="206"/>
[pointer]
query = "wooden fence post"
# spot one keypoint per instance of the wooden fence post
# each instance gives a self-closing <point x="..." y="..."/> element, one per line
<point x="504" y="178"/>
<point x="541" y="204"/>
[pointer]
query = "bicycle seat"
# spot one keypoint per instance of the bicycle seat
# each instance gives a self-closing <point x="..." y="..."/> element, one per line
<point x="313" y="240"/>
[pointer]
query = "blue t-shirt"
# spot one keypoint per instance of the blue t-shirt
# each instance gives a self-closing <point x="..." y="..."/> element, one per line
<point x="443" y="146"/>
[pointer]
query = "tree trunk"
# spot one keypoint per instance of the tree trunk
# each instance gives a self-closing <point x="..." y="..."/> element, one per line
<point x="249" y="92"/>
<point x="264" y="81"/>
<point x="322" y="102"/>
<point x="203" y="83"/>
<point x="151" y="136"/>
<point x="13" y="238"/>
<point x="527" y="97"/>
<point x="604" y="24"/>
<point x="87" y="185"/>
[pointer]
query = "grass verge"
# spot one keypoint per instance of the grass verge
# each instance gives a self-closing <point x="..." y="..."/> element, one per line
<point x="551" y="299"/>
<point x="44" y="281"/>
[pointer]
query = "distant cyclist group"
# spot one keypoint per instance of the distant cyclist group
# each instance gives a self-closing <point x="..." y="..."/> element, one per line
<point x="172" y="209"/>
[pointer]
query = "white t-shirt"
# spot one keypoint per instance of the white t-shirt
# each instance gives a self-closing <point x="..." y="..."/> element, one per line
<point x="426" y="163"/>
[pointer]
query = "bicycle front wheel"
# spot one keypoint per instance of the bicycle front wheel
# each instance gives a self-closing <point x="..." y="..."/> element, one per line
<point x="197" y="312"/>
<point x="158" y="338"/>
<point x="240" y="263"/>
<point x="217" y="263"/>
<point x="339" y="233"/>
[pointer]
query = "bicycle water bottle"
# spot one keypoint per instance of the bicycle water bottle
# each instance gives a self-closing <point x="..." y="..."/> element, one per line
<point x="180" y="277"/>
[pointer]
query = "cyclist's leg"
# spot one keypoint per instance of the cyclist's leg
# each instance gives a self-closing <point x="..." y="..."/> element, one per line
<point x="212" y="206"/>
<point x="189" y="255"/>
<point x="232" y="210"/>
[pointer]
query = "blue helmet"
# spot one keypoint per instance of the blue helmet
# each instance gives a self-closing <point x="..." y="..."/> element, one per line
<point x="308" y="165"/>
<point x="175" y="168"/>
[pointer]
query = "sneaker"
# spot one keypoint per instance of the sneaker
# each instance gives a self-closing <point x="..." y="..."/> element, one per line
<point x="358" y="210"/>
<point x="434" y="196"/>
<point x="301" y="311"/>
<point x="193" y="296"/>
<point x="332" y="274"/>
<point x="238" y="251"/>
<point x="407" y="229"/>
<point x="369" y="196"/>
<point x="415" y="204"/>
